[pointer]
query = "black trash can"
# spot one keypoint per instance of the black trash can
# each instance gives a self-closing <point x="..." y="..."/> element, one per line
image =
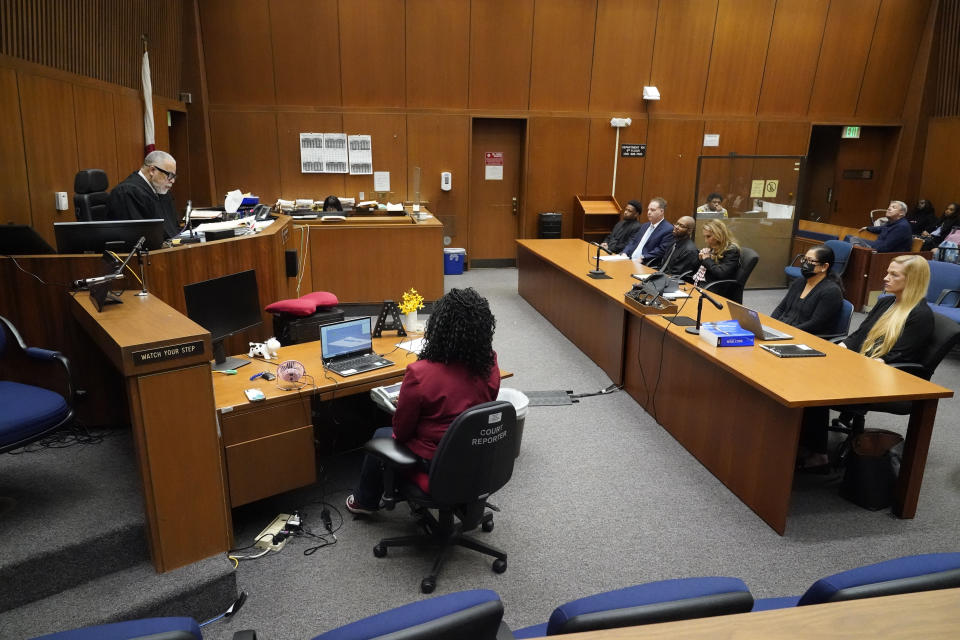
<point x="549" y="225"/>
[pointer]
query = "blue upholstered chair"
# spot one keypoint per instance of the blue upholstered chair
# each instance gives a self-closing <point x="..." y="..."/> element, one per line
<point x="904" y="575"/>
<point x="663" y="601"/>
<point x="841" y="327"/>
<point x="943" y="293"/>
<point x="152" y="628"/>
<point x="470" y="615"/>
<point x="31" y="412"/>
<point x="841" y="255"/>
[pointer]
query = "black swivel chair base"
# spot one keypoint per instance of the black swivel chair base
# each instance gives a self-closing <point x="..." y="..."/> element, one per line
<point x="443" y="533"/>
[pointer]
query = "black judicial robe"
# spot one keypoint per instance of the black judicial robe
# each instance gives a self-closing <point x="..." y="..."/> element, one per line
<point x="135" y="199"/>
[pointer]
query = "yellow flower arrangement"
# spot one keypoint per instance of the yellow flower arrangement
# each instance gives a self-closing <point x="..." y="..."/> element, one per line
<point x="411" y="301"/>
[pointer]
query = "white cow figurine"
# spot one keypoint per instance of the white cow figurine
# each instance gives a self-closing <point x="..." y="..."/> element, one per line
<point x="259" y="350"/>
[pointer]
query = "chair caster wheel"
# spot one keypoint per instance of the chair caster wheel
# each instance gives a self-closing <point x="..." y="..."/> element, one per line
<point x="380" y="550"/>
<point x="427" y="585"/>
<point x="499" y="566"/>
<point x="487" y="525"/>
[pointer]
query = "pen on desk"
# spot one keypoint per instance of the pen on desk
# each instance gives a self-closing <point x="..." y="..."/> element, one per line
<point x="257" y="375"/>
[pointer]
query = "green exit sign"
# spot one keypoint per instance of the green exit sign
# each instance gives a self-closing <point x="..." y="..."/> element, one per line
<point x="851" y="132"/>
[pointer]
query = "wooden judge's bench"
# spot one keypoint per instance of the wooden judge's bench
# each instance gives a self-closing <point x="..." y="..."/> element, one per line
<point x="144" y="363"/>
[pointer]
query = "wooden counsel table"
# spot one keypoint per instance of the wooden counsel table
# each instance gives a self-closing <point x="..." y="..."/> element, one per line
<point x="931" y="615"/>
<point x="738" y="410"/>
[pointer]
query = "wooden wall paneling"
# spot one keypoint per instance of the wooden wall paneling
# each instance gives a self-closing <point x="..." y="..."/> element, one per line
<point x="437" y="54"/>
<point x="388" y="133"/>
<point x="875" y="149"/>
<point x="896" y="41"/>
<point x="50" y="140"/>
<point x="600" y="160"/>
<point x="237" y="50"/>
<point x="740" y="41"/>
<point x="941" y="163"/>
<point x="671" y="167"/>
<point x="438" y="143"/>
<point x="501" y="43"/>
<point x="372" y="45"/>
<point x="245" y="153"/>
<point x="947" y="91"/>
<point x="306" y="51"/>
<point x="563" y="33"/>
<point x="557" y="151"/>
<point x="792" y="55"/>
<point x="161" y="131"/>
<point x="13" y="188"/>
<point x="843" y="58"/>
<point x="194" y="80"/>
<point x="736" y="136"/>
<point x="293" y="183"/>
<point x="96" y="143"/>
<point x="622" y="54"/>
<point x="783" y="138"/>
<point x="128" y="135"/>
<point x="681" y="54"/>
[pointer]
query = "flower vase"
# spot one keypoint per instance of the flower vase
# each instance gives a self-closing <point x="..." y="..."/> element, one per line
<point x="410" y="321"/>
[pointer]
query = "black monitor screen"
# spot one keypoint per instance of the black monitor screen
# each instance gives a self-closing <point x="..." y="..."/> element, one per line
<point x="224" y="306"/>
<point x="93" y="237"/>
<point x="20" y="239"/>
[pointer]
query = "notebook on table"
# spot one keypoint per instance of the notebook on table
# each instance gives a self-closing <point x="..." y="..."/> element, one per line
<point x="792" y="350"/>
<point x="750" y="320"/>
<point x="347" y="347"/>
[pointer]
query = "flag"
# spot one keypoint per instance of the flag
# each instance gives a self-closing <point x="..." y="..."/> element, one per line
<point x="149" y="139"/>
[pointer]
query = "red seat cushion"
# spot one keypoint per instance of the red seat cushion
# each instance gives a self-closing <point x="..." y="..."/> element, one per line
<point x="294" y="307"/>
<point x="321" y="298"/>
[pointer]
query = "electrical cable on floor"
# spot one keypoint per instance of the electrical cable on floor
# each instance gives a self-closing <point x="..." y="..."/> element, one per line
<point x="232" y="609"/>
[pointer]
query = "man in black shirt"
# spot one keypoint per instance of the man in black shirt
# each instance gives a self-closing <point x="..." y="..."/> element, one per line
<point x="682" y="257"/>
<point x="145" y="193"/>
<point x="624" y="229"/>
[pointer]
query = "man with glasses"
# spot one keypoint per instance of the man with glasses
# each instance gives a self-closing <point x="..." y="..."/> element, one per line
<point x="145" y="193"/>
<point x="683" y="256"/>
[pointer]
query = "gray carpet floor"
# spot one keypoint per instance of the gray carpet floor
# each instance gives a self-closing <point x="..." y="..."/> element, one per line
<point x="601" y="498"/>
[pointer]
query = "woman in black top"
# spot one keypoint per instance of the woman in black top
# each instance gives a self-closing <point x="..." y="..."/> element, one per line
<point x="947" y="222"/>
<point x="814" y="301"/>
<point x="721" y="257"/>
<point x="896" y="330"/>
<point x="923" y="218"/>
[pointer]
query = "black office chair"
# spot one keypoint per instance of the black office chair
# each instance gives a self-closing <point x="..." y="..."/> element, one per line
<point x="31" y="412"/>
<point x="733" y="289"/>
<point x="946" y="334"/>
<point x="90" y="195"/>
<point x="473" y="460"/>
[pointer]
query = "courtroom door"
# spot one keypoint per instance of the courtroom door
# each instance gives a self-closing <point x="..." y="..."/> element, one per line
<point x="496" y="170"/>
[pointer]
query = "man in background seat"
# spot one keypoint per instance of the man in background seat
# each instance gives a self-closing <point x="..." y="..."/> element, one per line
<point x="145" y="193"/>
<point x="896" y="235"/>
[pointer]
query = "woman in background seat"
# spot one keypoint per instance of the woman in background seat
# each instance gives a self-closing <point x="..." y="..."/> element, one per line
<point x="721" y="257"/>
<point x="896" y="330"/>
<point x="814" y="301"/>
<point x="457" y="369"/>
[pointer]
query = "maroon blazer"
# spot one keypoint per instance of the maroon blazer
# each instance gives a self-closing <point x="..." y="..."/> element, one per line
<point x="431" y="396"/>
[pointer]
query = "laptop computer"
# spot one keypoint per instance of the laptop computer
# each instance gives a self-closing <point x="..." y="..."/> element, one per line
<point x="347" y="347"/>
<point x="750" y="321"/>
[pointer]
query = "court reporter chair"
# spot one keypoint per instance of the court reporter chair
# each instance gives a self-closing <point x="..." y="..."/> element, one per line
<point x="30" y="412"/>
<point x="90" y="195"/>
<point x="945" y="335"/>
<point x="732" y="289"/>
<point x="841" y="256"/>
<point x="910" y="574"/>
<point x="473" y="460"/>
<point x="664" y="601"/>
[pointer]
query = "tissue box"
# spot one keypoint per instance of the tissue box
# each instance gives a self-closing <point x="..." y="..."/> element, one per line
<point x="726" y="334"/>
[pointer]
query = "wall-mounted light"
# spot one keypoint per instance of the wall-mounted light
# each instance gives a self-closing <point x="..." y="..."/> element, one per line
<point x="651" y="93"/>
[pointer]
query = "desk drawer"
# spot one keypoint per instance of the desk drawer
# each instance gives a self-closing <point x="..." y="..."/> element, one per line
<point x="267" y="466"/>
<point x="266" y="419"/>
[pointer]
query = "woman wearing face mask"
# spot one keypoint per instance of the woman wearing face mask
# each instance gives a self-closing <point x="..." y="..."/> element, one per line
<point x="813" y="302"/>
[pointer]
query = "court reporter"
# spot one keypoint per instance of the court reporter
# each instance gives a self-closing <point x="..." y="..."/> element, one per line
<point x="721" y="257"/>
<point x="813" y="301"/>
<point x="896" y="330"/>
<point x="457" y="369"/>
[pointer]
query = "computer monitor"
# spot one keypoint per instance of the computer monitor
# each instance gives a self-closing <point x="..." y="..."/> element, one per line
<point x="94" y="236"/>
<point x="224" y="306"/>
<point x="21" y="239"/>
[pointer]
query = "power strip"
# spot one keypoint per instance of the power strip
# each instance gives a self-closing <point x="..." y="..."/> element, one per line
<point x="265" y="538"/>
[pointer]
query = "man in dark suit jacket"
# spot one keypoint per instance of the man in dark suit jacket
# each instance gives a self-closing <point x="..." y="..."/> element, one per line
<point x="896" y="235"/>
<point x="654" y="238"/>
<point x="144" y="194"/>
<point x="683" y="255"/>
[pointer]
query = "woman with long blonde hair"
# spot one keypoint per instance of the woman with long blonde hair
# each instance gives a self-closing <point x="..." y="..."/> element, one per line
<point x="896" y="330"/>
<point x="721" y="257"/>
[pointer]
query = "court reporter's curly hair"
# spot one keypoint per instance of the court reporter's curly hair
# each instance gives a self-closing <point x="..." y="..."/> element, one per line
<point x="460" y="331"/>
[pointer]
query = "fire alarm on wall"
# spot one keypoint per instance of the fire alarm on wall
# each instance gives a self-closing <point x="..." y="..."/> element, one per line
<point x="446" y="181"/>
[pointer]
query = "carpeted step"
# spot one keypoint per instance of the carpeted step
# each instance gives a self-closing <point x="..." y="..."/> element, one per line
<point x="202" y="591"/>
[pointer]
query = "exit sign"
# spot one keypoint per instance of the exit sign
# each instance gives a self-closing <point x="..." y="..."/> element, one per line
<point x="851" y="132"/>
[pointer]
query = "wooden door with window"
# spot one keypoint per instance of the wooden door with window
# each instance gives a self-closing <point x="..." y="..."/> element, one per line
<point x="496" y="167"/>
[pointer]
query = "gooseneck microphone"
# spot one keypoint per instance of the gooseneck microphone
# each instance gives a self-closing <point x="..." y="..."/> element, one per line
<point x="598" y="273"/>
<point x="703" y="294"/>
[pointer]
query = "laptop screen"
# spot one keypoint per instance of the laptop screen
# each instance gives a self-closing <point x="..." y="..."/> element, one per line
<point x="345" y="338"/>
